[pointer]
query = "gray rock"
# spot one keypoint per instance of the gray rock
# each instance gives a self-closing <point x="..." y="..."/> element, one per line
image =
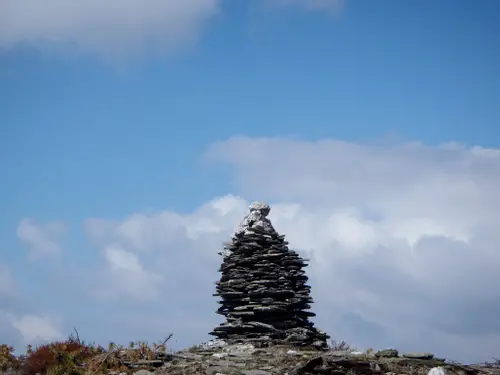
<point x="218" y="370"/>
<point x="255" y="372"/>
<point x="263" y="288"/>
<point x="256" y="218"/>
<point x="375" y="367"/>
<point x="213" y="344"/>
<point x="417" y="355"/>
<point x="339" y="353"/>
<point x="219" y="355"/>
<point x="387" y="353"/>
<point x="143" y="372"/>
<point x="437" y="371"/>
<point x="240" y="349"/>
<point x="266" y="368"/>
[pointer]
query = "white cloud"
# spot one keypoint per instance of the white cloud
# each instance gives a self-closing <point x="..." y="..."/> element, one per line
<point x="403" y="236"/>
<point x="118" y="30"/>
<point x="125" y="276"/>
<point x="411" y="180"/>
<point x="120" y="259"/>
<point x="7" y="285"/>
<point x="35" y="329"/>
<point x="9" y="302"/>
<point x="19" y="322"/>
<point x="144" y="253"/>
<point x="402" y="241"/>
<point x="42" y="239"/>
<point x="111" y="28"/>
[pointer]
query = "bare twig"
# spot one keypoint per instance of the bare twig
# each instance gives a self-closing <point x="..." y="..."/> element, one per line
<point x="165" y="341"/>
<point x="107" y="356"/>
<point x="77" y="335"/>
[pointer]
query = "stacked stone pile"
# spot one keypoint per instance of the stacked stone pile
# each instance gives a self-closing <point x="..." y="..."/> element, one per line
<point x="263" y="288"/>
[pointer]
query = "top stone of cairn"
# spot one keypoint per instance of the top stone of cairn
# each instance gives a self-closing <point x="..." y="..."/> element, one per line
<point x="256" y="218"/>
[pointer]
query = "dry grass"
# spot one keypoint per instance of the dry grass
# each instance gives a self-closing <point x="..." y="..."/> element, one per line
<point x="74" y="357"/>
<point x="341" y="346"/>
<point x="7" y="359"/>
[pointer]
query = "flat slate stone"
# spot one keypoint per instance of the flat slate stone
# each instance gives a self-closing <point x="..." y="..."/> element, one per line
<point x="417" y="355"/>
<point x="387" y="353"/>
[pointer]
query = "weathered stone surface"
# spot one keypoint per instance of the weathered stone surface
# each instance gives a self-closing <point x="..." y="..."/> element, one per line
<point x="255" y="372"/>
<point x="143" y="372"/>
<point x="263" y="288"/>
<point x="387" y="353"/>
<point x="437" y="371"/>
<point x="419" y="355"/>
<point x="211" y="359"/>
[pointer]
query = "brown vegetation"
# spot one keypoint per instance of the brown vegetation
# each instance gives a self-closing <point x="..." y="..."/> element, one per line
<point x="74" y="357"/>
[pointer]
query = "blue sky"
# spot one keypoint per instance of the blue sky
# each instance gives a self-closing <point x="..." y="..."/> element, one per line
<point x="105" y="115"/>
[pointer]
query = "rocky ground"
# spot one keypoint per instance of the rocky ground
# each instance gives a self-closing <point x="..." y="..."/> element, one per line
<point x="215" y="358"/>
<point x="219" y="358"/>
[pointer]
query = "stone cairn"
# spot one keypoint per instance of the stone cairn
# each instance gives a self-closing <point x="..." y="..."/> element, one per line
<point x="263" y="288"/>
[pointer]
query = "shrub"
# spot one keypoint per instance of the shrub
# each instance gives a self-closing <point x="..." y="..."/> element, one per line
<point x="60" y="357"/>
<point x="74" y="357"/>
<point x="7" y="359"/>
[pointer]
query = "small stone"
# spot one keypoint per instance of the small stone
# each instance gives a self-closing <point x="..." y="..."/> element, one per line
<point x="375" y="367"/>
<point x="292" y="353"/>
<point x="339" y="353"/>
<point x="143" y="372"/>
<point x="240" y="349"/>
<point x="263" y="208"/>
<point x="437" y="371"/>
<point x="255" y="372"/>
<point x="310" y="365"/>
<point x="387" y="353"/>
<point x="416" y="355"/>
<point x="219" y="355"/>
<point x="217" y="370"/>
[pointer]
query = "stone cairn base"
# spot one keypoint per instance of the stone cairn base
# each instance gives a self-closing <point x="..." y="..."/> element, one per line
<point x="263" y="288"/>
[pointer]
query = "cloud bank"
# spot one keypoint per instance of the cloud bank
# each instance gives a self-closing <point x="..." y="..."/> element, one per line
<point x="43" y="240"/>
<point x="118" y="30"/>
<point x="112" y="28"/>
<point x="19" y="325"/>
<point x="402" y="241"/>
